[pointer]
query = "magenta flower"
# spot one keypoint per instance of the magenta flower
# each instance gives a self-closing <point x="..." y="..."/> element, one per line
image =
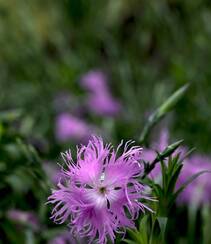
<point x="63" y="238"/>
<point x="100" y="100"/>
<point x="199" y="191"/>
<point x="103" y="104"/>
<point x="52" y="170"/>
<point x="94" y="81"/>
<point x="28" y="218"/>
<point x="69" y="127"/>
<point x="96" y="190"/>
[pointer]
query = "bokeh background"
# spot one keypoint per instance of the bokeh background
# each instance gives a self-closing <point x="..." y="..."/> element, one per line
<point x="52" y="56"/>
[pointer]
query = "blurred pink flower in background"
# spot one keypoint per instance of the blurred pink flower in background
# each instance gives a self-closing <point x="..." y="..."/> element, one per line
<point x="27" y="218"/>
<point x="95" y="81"/>
<point x="103" y="104"/>
<point x="70" y="127"/>
<point x="64" y="238"/>
<point x="199" y="191"/>
<point x="53" y="172"/>
<point x="100" y="100"/>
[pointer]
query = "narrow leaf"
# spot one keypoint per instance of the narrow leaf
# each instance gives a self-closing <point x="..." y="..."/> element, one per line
<point x="184" y="185"/>
<point x="160" y="112"/>
<point x="163" y="155"/>
<point x="162" y="223"/>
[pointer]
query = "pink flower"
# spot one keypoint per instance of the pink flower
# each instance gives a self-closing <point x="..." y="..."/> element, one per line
<point x="103" y="104"/>
<point x="94" y="81"/>
<point x="199" y="191"/>
<point x="52" y="170"/>
<point x="64" y="238"/>
<point x="100" y="100"/>
<point x="96" y="190"/>
<point x="28" y="218"/>
<point x="69" y="127"/>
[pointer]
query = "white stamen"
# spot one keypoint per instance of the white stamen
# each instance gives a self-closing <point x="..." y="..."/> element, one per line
<point x="102" y="177"/>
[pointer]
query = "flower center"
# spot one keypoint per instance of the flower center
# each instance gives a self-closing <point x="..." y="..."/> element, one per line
<point x="102" y="190"/>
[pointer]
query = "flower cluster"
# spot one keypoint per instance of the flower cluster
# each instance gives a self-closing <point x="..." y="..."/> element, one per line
<point x="100" y="194"/>
<point x="199" y="191"/>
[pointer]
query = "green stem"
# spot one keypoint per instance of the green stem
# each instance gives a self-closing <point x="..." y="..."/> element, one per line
<point x="152" y="230"/>
<point x="192" y="212"/>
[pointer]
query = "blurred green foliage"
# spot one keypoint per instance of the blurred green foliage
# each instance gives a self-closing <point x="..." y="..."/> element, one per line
<point x="148" y="48"/>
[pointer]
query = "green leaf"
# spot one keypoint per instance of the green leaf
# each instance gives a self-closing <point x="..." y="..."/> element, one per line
<point x="158" y="190"/>
<point x="160" y="112"/>
<point x="29" y="237"/>
<point x="187" y="154"/>
<point x="143" y="230"/>
<point x="164" y="174"/>
<point x="8" y="116"/>
<point x="162" y="223"/>
<point x="170" y="103"/>
<point x="173" y="163"/>
<point x="130" y="242"/>
<point x="173" y="179"/>
<point x="139" y="236"/>
<point x="184" y="185"/>
<point x="161" y="156"/>
<point x="134" y="236"/>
